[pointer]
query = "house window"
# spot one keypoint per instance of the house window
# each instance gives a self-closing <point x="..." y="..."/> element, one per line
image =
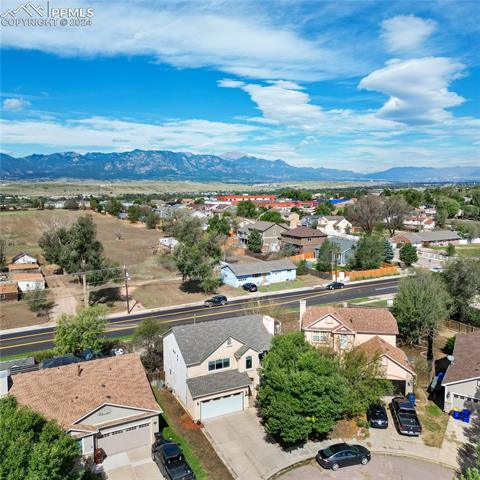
<point x="320" y="337"/>
<point x="218" y="364"/>
<point x="248" y="363"/>
<point x="343" y="341"/>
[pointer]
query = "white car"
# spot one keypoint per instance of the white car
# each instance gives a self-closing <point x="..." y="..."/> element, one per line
<point x="437" y="269"/>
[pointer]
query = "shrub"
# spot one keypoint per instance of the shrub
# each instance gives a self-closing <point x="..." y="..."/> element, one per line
<point x="449" y="344"/>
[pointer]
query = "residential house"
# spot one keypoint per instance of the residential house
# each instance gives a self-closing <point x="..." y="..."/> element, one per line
<point x="105" y="403"/>
<point x="259" y="273"/>
<point x="8" y="291"/>
<point x="346" y="249"/>
<point x="212" y="367"/>
<point x="333" y="224"/>
<point x="24" y="258"/>
<point x="23" y="267"/>
<point x="168" y="243"/>
<point x="28" y="281"/>
<point x="292" y="219"/>
<point x="373" y="330"/>
<point x="425" y="239"/>
<point x="462" y="380"/>
<point x="419" y="223"/>
<point x="269" y="231"/>
<point x="303" y="239"/>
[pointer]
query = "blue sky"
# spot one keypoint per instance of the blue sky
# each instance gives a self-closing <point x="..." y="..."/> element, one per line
<point x="354" y="84"/>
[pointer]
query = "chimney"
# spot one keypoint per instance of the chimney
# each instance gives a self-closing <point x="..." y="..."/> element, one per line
<point x="4" y="382"/>
<point x="303" y="309"/>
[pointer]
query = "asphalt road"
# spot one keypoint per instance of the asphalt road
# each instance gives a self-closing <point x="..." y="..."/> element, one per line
<point x="41" y="339"/>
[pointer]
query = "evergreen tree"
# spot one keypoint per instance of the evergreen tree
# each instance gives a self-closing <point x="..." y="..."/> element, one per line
<point x="255" y="241"/>
<point x="408" y="254"/>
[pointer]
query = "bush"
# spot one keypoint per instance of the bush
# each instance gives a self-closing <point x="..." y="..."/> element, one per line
<point x="449" y="344"/>
<point x="302" y="267"/>
<point x="44" y="355"/>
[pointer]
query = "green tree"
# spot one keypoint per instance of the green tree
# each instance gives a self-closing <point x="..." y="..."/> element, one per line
<point x="37" y="301"/>
<point x="326" y="256"/>
<point x="32" y="448"/>
<point x="463" y="282"/>
<point x="94" y="203"/>
<point x="219" y="224"/>
<point x="255" y="241"/>
<point x="421" y="304"/>
<point x="71" y="204"/>
<point x="184" y="227"/>
<point x="148" y="338"/>
<point x="247" y="208"/>
<point x="114" y="207"/>
<point x="450" y="250"/>
<point x="365" y="379"/>
<point x="296" y="194"/>
<point x="395" y="208"/>
<point x="302" y="267"/>
<point x="77" y="333"/>
<point x="366" y="213"/>
<point x="387" y="251"/>
<point x="473" y="473"/>
<point x="151" y="221"/>
<point x="441" y="217"/>
<point x="272" y="216"/>
<point x="369" y="253"/>
<point x="450" y="205"/>
<point x="408" y="254"/>
<point x="413" y="197"/>
<point x="324" y="208"/>
<point x="3" y="252"/>
<point x="134" y="212"/>
<point x="301" y="392"/>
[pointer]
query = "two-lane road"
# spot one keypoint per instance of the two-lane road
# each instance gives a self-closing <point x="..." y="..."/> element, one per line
<point x="41" y="339"/>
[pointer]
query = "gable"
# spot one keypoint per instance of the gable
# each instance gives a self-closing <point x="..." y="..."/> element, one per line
<point x="328" y="322"/>
<point x="108" y="413"/>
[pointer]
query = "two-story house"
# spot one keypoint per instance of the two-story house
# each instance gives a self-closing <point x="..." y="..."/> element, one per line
<point x="333" y="224"/>
<point x="303" y="239"/>
<point x="372" y="330"/>
<point x="269" y="231"/>
<point x="212" y="366"/>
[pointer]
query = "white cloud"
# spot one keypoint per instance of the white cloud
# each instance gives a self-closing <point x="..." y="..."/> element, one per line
<point x="112" y="134"/>
<point x="249" y="44"/>
<point x="417" y="89"/>
<point x="15" y="104"/>
<point x="405" y="33"/>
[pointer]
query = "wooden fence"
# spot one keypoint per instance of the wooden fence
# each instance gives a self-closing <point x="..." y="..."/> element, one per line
<point x="376" y="272"/>
<point x="460" y="327"/>
<point x="302" y="256"/>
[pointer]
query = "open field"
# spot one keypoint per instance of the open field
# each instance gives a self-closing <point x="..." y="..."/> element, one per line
<point x="70" y="188"/>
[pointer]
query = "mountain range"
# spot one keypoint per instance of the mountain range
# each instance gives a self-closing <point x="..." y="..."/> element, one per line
<point x="230" y="168"/>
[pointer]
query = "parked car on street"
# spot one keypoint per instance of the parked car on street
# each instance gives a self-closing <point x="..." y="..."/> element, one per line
<point x="405" y="417"/>
<point x="216" y="301"/>
<point x="170" y="460"/>
<point x="335" y="285"/>
<point x="343" y="455"/>
<point x="250" y="287"/>
<point x="377" y="416"/>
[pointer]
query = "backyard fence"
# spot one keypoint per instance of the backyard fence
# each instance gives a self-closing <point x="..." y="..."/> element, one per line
<point x="376" y="272"/>
<point x="460" y="327"/>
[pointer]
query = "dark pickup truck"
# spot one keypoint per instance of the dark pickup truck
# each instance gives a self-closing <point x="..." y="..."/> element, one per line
<point x="405" y="417"/>
<point x="170" y="460"/>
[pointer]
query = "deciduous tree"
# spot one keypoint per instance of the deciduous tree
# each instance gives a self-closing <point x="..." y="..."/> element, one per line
<point x="366" y="213"/>
<point x="247" y="208"/>
<point x="369" y="253"/>
<point x="395" y="208"/>
<point x="272" y="216"/>
<point x="148" y="337"/>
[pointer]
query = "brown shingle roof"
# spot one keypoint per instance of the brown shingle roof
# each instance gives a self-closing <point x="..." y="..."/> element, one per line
<point x="466" y="363"/>
<point x="8" y="288"/>
<point x="361" y="320"/>
<point x="303" y="232"/>
<point x="27" y="277"/>
<point x="61" y="394"/>
<point x="22" y="266"/>
<point x="378" y="346"/>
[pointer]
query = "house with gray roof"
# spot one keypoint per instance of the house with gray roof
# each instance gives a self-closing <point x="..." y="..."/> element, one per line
<point x="434" y="238"/>
<point x="346" y="249"/>
<point x="212" y="366"/>
<point x="269" y="231"/>
<point x="259" y="273"/>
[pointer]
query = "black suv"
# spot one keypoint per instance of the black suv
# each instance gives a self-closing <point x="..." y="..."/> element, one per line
<point x="377" y="416"/>
<point x="250" y="287"/>
<point x="216" y="301"/>
<point x="170" y="460"/>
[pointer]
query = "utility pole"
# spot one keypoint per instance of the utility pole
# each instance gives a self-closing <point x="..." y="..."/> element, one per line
<point x="127" y="278"/>
<point x="84" y="280"/>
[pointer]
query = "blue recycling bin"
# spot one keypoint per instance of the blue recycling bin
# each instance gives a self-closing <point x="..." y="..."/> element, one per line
<point x="456" y="414"/>
<point x="412" y="398"/>
<point x="465" y="415"/>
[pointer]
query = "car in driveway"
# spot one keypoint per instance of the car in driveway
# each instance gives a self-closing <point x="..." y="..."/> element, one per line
<point x="377" y="416"/>
<point x="216" y="301"/>
<point x="405" y="417"/>
<point x="335" y="285"/>
<point x="170" y="460"/>
<point x="250" y="287"/>
<point x="343" y="455"/>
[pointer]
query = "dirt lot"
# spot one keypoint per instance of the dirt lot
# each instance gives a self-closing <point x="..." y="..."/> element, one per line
<point x="16" y="314"/>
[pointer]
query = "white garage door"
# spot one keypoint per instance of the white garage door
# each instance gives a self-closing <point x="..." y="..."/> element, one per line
<point x="221" y="406"/>
<point x="126" y="439"/>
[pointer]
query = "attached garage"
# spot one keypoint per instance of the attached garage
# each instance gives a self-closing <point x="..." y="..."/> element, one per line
<point x="221" y="406"/>
<point x="125" y="439"/>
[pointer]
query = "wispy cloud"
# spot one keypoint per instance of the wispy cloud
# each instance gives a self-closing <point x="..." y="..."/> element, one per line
<point x="15" y="103"/>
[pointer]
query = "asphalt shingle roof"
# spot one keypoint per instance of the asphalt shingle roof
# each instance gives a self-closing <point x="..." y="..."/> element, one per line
<point x="251" y="268"/>
<point x="303" y="232"/>
<point x="198" y="340"/>
<point x="217" y="383"/>
<point x="433" y="236"/>
<point x="466" y="354"/>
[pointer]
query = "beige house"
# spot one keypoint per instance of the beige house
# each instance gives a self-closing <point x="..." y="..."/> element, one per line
<point x="462" y="380"/>
<point x="212" y="366"/>
<point x="373" y="330"/>
<point x="333" y="224"/>
<point x="269" y="231"/>
<point x="106" y="403"/>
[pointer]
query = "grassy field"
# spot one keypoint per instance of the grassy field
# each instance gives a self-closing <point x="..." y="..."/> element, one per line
<point x="69" y="188"/>
<point x="462" y="250"/>
<point x="299" y="282"/>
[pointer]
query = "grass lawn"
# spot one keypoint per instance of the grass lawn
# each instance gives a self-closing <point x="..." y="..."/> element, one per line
<point x="197" y="449"/>
<point x="299" y="282"/>
<point x="434" y="422"/>
<point x="467" y="251"/>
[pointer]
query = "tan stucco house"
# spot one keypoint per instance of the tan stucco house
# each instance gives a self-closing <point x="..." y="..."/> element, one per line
<point x="212" y="366"/>
<point x="105" y="403"/>
<point x="372" y="330"/>
<point x="462" y="380"/>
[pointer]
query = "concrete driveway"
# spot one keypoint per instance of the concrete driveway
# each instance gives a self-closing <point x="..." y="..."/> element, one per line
<point x="381" y="467"/>
<point x="135" y="464"/>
